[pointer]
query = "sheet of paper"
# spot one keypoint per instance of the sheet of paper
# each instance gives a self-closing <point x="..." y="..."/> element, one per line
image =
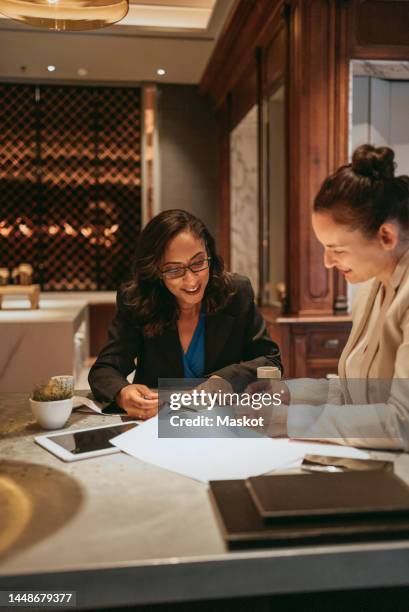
<point x="85" y="404"/>
<point x="216" y="458"/>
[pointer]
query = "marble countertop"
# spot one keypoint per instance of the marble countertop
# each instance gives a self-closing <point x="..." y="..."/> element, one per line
<point x="54" y="306"/>
<point x="50" y="311"/>
<point x="119" y="531"/>
<point x="91" y="297"/>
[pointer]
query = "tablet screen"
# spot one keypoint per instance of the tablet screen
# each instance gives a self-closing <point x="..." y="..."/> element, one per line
<point x="91" y="440"/>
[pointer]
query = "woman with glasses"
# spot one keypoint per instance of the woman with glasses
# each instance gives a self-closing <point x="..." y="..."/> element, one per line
<point x="180" y="316"/>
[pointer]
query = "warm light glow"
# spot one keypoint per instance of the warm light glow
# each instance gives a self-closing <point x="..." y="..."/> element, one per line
<point x="149" y="154"/>
<point x="149" y="121"/>
<point x="161" y="71"/>
<point x="25" y="230"/>
<point x="60" y="15"/>
<point x="86" y="231"/>
<point x="17" y="510"/>
<point x="5" y="230"/>
<point x="114" y="228"/>
<point x="68" y="229"/>
<point x="106" y="206"/>
<point x="53" y="230"/>
<point x="51" y="68"/>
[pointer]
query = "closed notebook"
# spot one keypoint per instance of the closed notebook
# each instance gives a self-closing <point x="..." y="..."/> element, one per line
<point x="321" y="494"/>
<point x="243" y="527"/>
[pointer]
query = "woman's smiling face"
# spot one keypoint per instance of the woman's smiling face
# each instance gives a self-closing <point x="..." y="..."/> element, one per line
<point x="349" y="250"/>
<point x="183" y="249"/>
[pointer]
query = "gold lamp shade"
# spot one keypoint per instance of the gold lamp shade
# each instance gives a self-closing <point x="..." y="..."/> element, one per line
<point x="70" y="15"/>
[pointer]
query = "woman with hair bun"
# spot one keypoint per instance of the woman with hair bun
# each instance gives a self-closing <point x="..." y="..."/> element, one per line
<point x="361" y="217"/>
<point x="181" y="315"/>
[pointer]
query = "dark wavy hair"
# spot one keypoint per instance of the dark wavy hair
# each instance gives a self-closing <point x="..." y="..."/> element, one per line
<point x="154" y="306"/>
<point x="366" y="193"/>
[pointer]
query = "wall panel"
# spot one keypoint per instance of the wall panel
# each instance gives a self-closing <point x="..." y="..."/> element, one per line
<point x="70" y="183"/>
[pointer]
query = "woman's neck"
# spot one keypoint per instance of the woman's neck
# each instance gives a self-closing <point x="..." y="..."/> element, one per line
<point x="189" y="312"/>
<point x="385" y="276"/>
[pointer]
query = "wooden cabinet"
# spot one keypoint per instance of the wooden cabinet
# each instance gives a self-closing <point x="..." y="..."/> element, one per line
<point x="100" y="318"/>
<point x="312" y="347"/>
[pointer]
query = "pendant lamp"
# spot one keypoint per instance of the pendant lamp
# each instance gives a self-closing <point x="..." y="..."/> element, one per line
<point x="65" y="15"/>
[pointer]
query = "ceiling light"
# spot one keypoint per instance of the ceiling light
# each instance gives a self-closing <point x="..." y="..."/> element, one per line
<point x="82" y="72"/>
<point x="161" y="71"/>
<point x="50" y="68"/>
<point x="65" y="14"/>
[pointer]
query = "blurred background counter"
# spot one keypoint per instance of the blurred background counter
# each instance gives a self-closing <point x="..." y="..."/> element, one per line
<point x="61" y="337"/>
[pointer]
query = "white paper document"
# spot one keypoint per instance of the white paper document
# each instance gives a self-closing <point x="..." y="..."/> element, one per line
<point x="219" y="458"/>
<point x="86" y="404"/>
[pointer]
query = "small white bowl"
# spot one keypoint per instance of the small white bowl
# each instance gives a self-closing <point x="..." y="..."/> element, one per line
<point x="52" y="415"/>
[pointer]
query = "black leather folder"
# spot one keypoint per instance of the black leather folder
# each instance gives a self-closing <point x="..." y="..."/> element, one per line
<point x="318" y="495"/>
<point x="243" y="527"/>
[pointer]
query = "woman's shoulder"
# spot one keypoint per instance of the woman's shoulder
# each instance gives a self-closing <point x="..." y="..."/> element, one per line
<point x="242" y="293"/>
<point x="242" y="285"/>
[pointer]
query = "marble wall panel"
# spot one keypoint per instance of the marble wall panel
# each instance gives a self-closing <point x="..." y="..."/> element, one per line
<point x="244" y="195"/>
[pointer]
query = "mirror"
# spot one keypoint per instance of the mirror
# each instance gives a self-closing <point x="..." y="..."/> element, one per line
<point x="380" y="107"/>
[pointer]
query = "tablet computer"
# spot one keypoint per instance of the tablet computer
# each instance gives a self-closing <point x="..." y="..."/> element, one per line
<point x="84" y="443"/>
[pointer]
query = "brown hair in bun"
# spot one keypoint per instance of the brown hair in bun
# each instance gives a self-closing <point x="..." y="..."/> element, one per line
<point x="375" y="163"/>
<point x="365" y="193"/>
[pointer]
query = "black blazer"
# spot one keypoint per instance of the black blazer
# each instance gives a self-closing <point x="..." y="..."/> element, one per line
<point x="236" y="343"/>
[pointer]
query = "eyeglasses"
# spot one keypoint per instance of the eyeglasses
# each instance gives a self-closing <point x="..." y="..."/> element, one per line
<point x="196" y="266"/>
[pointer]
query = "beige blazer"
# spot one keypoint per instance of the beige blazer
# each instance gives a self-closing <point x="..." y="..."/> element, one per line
<point x="391" y="359"/>
<point x="372" y="411"/>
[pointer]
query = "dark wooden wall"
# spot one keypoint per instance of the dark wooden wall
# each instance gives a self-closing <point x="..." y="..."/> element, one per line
<point x="307" y="45"/>
<point x="186" y="123"/>
<point x="100" y="318"/>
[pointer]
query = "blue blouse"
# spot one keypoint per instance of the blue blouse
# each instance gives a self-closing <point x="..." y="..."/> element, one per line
<point x="194" y="358"/>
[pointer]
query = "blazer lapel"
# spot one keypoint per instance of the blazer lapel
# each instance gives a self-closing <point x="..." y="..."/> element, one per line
<point x="354" y="337"/>
<point x="169" y="349"/>
<point x="373" y="342"/>
<point x="218" y="329"/>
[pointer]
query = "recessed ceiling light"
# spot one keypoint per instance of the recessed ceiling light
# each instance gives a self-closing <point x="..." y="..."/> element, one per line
<point x="161" y="71"/>
<point x="82" y="72"/>
<point x="50" y="68"/>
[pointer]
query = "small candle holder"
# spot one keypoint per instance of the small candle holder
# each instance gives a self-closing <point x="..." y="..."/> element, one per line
<point x="25" y="271"/>
<point x="15" y="276"/>
<point x="4" y="276"/>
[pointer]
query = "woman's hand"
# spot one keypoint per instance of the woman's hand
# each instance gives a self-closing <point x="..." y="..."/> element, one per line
<point x="271" y="386"/>
<point x="138" y="401"/>
<point x="269" y="399"/>
<point x="214" y="385"/>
